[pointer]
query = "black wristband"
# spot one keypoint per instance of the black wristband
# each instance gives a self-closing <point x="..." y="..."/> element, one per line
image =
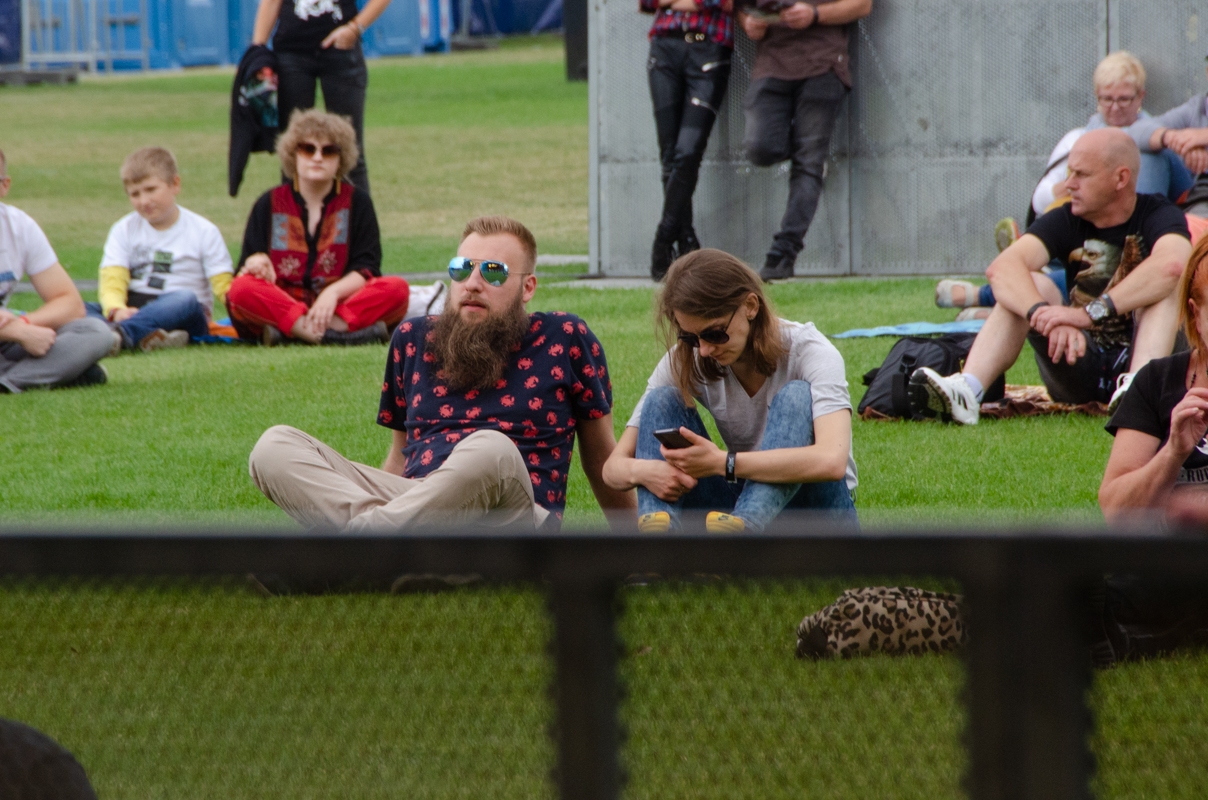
<point x="1032" y="310"/>
<point x="730" y="458"/>
<point x="1107" y="301"/>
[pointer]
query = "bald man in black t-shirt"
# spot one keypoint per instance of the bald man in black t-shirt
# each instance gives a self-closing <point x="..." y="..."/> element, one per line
<point x="1123" y="254"/>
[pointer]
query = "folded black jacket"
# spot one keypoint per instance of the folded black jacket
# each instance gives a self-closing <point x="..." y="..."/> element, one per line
<point x="253" y="111"/>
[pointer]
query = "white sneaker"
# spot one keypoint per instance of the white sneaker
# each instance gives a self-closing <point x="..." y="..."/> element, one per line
<point x="950" y="398"/>
<point x="973" y="313"/>
<point x="160" y="339"/>
<point x="1122" y="384"/>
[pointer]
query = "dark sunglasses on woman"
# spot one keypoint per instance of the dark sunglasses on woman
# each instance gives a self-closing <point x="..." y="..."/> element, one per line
<point x="493" y="272"/>
<point x="709" y="335"/>
<point x="328" y="150"/>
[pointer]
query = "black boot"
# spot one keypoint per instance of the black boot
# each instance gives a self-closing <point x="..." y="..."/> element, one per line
<point x="777" y="267"/>
<point x="661" y="255"/>
<point x="687" y="242"/>
<point x="377" y="333"/>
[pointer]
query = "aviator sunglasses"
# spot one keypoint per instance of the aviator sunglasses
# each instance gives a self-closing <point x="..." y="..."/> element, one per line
<point x="493" y="272"/>
<point x="709" y="335"/>
<point x="309" y="149"/>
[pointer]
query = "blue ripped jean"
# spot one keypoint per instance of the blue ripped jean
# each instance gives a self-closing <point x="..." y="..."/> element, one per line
<point x="790" y="423"/>
<point x="172" y="311"/>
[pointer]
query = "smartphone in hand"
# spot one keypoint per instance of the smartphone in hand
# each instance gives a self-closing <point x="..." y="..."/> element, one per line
<point x="672" y="439"/>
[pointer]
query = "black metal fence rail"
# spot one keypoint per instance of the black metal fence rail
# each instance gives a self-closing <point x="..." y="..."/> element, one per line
<point x="1028" y="664"/>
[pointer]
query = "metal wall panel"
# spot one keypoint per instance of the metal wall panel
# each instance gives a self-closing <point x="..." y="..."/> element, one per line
<point x="955" y="110"/>
<point x="1171" y="38"/>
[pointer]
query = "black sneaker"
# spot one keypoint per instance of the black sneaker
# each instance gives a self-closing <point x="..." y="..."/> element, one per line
<point x="777" y="267"/>
<point x="271" y="337"/>
<point x="377" y="333"/>
<point x="96" y="375"/>
<point x="661" y="256"/>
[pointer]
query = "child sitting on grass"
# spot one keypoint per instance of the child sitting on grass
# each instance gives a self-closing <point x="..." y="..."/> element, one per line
<point x="163" y="265"/>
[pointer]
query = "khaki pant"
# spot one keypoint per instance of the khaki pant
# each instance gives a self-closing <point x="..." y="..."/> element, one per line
<point x="482" y="482"/>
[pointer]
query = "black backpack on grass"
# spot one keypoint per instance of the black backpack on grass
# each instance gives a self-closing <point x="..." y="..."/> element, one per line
<point x="887" y="392"/>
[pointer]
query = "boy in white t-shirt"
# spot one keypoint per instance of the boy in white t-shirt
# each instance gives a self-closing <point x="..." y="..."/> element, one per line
<point x="56" y="345"/>
<point x="163" y="265"/>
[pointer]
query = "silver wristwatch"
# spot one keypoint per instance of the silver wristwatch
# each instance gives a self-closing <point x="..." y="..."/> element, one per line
<point x="1098" y="310"/>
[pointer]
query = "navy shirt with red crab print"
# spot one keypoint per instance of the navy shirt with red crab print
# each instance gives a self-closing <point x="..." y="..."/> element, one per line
<point x="557" y="376"/>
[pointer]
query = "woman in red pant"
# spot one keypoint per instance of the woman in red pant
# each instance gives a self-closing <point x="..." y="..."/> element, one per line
<point x="311" y="262"/>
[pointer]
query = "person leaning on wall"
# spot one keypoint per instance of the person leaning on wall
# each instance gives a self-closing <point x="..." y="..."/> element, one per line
<point x="802" y="73"/>
<point x="321" y="42"/>
<point x="689" y="68"/>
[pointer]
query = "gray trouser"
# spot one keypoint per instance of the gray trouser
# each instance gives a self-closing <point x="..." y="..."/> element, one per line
<point x="482" y="482"/>
<point x="78" y="345"/>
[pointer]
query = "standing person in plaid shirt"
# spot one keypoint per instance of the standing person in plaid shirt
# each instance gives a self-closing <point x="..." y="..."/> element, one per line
<point x="689" y="68"/>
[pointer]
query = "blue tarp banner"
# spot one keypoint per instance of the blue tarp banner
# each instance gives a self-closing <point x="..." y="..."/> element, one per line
<point x="10" y="31"/>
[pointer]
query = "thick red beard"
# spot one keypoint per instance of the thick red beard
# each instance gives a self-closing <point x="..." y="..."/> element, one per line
<point x="473" y="355"/>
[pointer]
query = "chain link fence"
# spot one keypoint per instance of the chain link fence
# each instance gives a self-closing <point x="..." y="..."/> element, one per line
<point x="202" y="687"/>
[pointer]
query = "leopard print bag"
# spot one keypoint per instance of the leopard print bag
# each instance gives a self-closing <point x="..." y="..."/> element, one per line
<point x="897" y="620"/>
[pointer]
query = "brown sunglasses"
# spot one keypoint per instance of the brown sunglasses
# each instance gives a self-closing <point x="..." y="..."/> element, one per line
<point x="328" y="150"/>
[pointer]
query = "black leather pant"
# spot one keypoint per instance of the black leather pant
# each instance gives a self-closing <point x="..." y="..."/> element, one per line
<point x="344" y="78"/>
<point x="688" y="82"/>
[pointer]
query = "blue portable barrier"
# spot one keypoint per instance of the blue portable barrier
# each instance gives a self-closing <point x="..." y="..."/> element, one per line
<point x="396" y="32"/>
<point x="198" y="32"/>
<point x="435" y="24"/>
<point x="10" y="31"/>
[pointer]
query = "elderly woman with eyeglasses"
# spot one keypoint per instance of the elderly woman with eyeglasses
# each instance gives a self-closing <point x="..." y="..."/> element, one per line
<point x="776" y="389"/>
<point x="310" y="269"/>
<point x="1119" y="82"/>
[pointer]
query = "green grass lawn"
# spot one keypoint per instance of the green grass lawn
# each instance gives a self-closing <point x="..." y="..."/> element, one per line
<point x="209" y="690"/>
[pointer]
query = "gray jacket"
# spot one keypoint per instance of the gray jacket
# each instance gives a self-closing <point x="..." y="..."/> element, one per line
<point x="1191" y="114"/>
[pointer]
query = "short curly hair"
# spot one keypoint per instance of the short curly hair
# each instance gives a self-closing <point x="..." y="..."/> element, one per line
<point x="323" y="127"/>
<point x="1120" y="67"/>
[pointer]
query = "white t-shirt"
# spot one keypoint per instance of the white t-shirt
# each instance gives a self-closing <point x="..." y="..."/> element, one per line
<point x="24" y="250"/>
<point x="184" y="256"/>
<point x="741" y="419"/>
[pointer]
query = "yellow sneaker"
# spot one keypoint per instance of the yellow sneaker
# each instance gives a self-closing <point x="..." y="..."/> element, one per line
<point x="655" y="522"/>
<point x="718" y="522"/>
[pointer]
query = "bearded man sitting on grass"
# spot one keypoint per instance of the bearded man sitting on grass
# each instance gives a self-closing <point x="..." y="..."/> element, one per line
<point x="484" y="403"/>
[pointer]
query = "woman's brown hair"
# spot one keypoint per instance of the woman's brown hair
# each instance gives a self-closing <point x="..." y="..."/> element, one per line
<point x="319" y="125"/>
<point x="1192" y="287"/>
<point x="710" y="284"/>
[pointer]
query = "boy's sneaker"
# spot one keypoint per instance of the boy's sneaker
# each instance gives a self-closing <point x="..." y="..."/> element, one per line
<point x="945" y="299"/>
<point x="717" y="522"/>
<point x="160" y="339"/>
<point x="95" y="375"/>
<point x="654" y="522"/>
<point x="1006" y="233"/>
<point x="1122" y="383"/>
<point x="950" y="398"/>
<point x="115" y="348"/>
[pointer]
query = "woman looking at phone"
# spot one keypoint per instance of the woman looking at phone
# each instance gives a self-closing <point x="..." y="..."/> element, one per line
<point x="776" y="389"/>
